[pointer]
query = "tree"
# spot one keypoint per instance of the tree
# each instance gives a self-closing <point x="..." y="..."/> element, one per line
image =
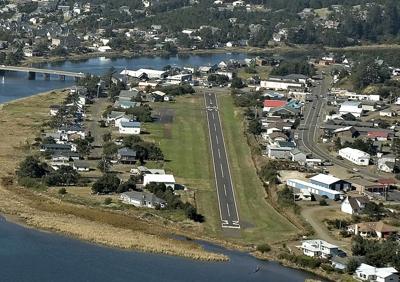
<point x="83" y="146"/>
<point x="107" y="137"/>
<point x="31" y="167"/>
<point x="374" y="210"/>
<point x="108" y="183"/>
<point x="352" y="265"/>
<point x="65" y="175"/>
<point x="107" y="201"/>
<point x="237" y="83"/>
<point x="255" y="127"/>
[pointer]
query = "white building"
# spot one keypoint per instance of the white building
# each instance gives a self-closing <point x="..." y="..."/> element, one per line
<point x="140" y="73"/>
<point x="167" y="179"/>
<point x="142" y="199"/>
<point x="367" y="272"/>
<point x="351" y="107"/>
<point x="355" y="156"/>
<point x="353" y="205"/>
<point x="319" y="248"/>
<point x="130" y="127"/>
<point x="280" y="85"/>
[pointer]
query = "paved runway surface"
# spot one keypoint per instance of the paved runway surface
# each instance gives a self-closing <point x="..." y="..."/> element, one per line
<point x="226" y="195"/>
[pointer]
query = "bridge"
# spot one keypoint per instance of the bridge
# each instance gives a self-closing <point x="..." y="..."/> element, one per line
<point x="46" y="72"/>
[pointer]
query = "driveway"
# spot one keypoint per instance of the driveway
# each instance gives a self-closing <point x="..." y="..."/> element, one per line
<point x="321" y="232"/>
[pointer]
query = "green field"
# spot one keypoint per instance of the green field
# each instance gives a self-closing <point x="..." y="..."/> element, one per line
<point x="261" y="221"/>
<point x="185" y="143"/>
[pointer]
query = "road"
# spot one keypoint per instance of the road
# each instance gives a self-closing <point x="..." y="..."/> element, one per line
<point x="313" y="114"/>
<point x="223" y="180"/>
<point x="44" y="71"/>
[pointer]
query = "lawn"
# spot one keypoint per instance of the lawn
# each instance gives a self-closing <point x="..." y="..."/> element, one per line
<point x="260" y="221"/>
<point x="185" y="144"/>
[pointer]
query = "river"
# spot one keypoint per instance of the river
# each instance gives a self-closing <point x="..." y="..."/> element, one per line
<point x="16" y="85"/>
<point x="30" y="255"/>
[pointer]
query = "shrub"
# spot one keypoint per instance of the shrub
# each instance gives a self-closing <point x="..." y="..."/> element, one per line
<point x="62" y="191"/>
<point x="323" y="202"/>
<point x="107" y="201"/>
<point x="264" y="248"/>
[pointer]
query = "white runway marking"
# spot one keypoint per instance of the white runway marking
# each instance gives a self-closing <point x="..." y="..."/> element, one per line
<point x="227" y="207"/>
<point x="222" y="171"/>
<point x="219" y="153"/>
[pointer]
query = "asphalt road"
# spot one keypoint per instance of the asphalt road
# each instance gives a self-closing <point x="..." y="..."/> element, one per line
<point x="225" y="191"/>
<point x="313" y="117"/>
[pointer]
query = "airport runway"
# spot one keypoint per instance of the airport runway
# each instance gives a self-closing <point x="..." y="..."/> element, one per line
<point x="225" y="191"/>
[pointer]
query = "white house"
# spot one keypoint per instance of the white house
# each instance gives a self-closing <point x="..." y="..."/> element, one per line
<point x="319" y="248"/>
<point x="353" y="205"/>
<point x="367" y="272"/>
<point x="149" y="73"/>
<point x="351" y="107"/>
<point x="355" y="156"/>
<point x="130" y="127"/>
<point x="167" y="179"/>
<point x="142" y="199"/>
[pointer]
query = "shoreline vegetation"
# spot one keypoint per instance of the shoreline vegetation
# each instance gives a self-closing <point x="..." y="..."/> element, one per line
<point x="21" y="122"/>
<point x="185" y="52"/>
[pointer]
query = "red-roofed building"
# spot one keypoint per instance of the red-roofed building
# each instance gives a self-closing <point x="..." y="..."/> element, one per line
<point x="271" y="104"/>
<point x="386" y="181"/>
<point x="378" y="135"/>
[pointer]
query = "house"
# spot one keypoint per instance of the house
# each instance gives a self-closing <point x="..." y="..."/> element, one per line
<point x="142" y="199"/>
<point x="330" y="182"/>
<point x="386" y="113"/>
<point x="300" y="185"/>
<point x="167" y="179"/>
<point x="126" y="104"/>
<point x="126" y="155"/>
<point x="363" y="185"/>
<point x="160" y="96"/>
<point x="271" y="104"/>
<point x="54" y="110"/>
<point x="129" y="127"/>
<point x="285" y="112"/>
<point x="387" y="163"/>
<point x="298" y="156"/>
<point x="142" y="170"/>
<point x="378" y="135"/>
<point x="319" y="248"/>
<point x="355" y="156"/>
<point x="118" y="120"/>
<point x="57" y="147"/>
<point x="372" y="229"/>
<point x="81" y="166"/>
<point x="277" y="136"/>
<point x="280" y="150"/>
<point x="353" y="205"/>
<point x="128" y="95"/>
<point x="367" y="272"/>
<point x="351" y="107"/>
<point x="64" y="156"/>
<point x="341" y="262"/>
<point x="111" y="117"/>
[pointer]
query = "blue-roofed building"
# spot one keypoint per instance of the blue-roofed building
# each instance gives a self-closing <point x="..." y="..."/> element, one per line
<point x="330" y="182"/>
<point x="315" y="189"/>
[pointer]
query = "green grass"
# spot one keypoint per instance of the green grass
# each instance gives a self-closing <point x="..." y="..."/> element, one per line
<point x="260" y="221"/>
<point x="185" y="145"/>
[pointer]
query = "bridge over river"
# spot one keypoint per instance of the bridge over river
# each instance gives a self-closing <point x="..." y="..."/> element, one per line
<point x="46" y="72"/>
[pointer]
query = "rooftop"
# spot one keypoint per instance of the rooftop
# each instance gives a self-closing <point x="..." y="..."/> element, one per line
<point x="380" y="272"/>
<point x="325" y="178"/>
<point x="160" y="178"/>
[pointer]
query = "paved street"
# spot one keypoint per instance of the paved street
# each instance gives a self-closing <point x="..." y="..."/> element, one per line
<point x="313" y="115"/>
<point x="226" y="195"/>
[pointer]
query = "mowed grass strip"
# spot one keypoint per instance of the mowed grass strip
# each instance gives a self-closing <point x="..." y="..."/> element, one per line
<point x="186" y="149"/>
<point x="259" y="221"/>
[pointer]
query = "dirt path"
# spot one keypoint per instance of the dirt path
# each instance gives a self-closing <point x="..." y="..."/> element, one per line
<point x="319" y="227"/>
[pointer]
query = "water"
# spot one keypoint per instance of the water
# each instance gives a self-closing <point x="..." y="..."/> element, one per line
<point x="16" y="85"/>
<point x="30" y="255"/>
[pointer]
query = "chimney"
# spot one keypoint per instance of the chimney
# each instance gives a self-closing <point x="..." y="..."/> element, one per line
<point x="356" y="229"/>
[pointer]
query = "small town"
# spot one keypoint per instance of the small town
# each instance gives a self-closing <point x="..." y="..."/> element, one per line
<point x="257" y="138"/>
